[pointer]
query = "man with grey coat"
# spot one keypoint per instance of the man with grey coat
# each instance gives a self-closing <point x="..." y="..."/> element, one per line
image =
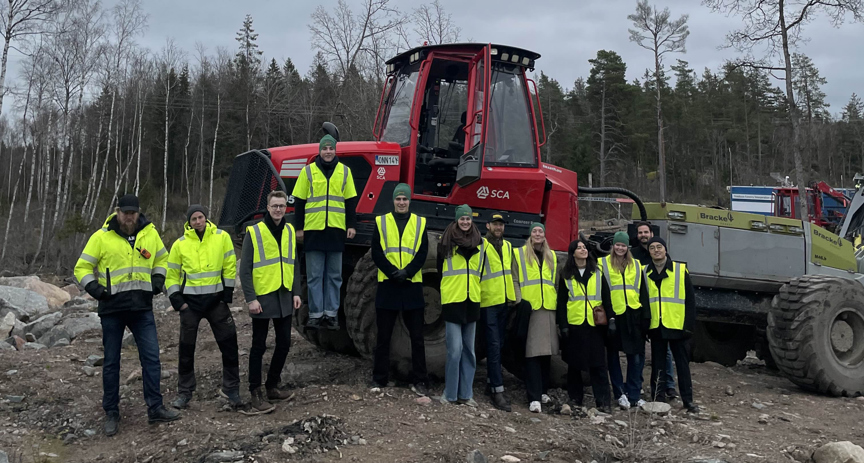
<point x="270" y="278"/>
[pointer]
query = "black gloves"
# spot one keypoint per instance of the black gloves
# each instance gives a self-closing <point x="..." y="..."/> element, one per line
<point x="228" y="295"/>
<point x="563" y="331"/>
<point x="157" y="281"/>
<point x="400" y="276"/>
<point x="96" y="291"/>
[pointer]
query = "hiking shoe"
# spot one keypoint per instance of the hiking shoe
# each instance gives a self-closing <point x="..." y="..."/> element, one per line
<point x="313" y="323"/>
<point x="692" y="408"/>
<point x="671" y="394"/>
<point x="331" y="323"/>
<point x="500" y="402"/>
<point x="420" y="389"/>
<point x="258" y="404"/>
<point x="623" y="402"/>
<point x="607" y="409"/>
<point x="274" y="393"/>
<point x="444" y="400"/>
<point x="545" y="399"/>
<point x="469" y="402"/>
<point x="534" y="407"/>
<point x="639" y="403"/>
<point x="112" y="423"/>
<point x="181" y="402"/>
<point x="163" y="415"/>
<point x="233" y="398"/>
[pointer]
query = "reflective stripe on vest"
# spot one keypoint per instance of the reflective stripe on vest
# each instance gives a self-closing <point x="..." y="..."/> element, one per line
<point x="623" y="289"/>
<point x="272" y="266"/>
<point x="580" y="304"/>
<point x="668" y="302"/>
<point x="496" y="281"/>
<point x="537" y="288"/>
<point x="460" y="279"/>
<point x="400" y="250"/>
<point x="328" y="205"/>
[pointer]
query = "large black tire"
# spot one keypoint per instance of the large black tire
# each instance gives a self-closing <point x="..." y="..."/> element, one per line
<point x="816" y="334"/>
<point x="332" y="340"/>
<point x="363" y="330"/>
<point x="724" y="343"/>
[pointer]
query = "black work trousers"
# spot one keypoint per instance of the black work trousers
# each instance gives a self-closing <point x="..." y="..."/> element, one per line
<point x="682" y="366"/>
<point x="599" y="384"/>
<point x="386" y="321"/>
<point x="222" y="324"/>
<point x="282" y="330"/>
<point x="537" y="370"/>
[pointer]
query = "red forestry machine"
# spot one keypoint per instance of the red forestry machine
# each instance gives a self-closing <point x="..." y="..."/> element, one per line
<point x="457" y="122"/>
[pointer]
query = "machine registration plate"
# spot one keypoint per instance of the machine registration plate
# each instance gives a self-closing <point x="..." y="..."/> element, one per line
<point x="381" y="160"/>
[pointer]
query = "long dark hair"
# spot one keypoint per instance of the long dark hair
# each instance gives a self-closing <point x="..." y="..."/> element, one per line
<point x="570" y="269"/>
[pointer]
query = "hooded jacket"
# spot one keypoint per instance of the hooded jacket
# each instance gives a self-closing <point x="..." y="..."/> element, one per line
<point x="209" y="257"/>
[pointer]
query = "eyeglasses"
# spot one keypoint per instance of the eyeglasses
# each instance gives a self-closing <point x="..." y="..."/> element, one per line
<point x="277" y="206"/>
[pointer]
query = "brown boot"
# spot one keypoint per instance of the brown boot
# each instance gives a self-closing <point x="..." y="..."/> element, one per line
<point x="274" y="393"/>
<point x="258" y="405"/>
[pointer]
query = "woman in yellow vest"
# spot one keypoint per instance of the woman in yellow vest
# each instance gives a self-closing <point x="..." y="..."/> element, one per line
<point x="669" y="294"/>
<point x="627" y="322"/>
<point x="581" y="289"/>
<point x="460" y="260"/>
<point x="537" y="268"/>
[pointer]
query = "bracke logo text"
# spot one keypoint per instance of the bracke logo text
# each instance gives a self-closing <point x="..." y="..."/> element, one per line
<point x="835" y="241"/>
<point x="728" y="218"/>
<point x="484" y="192"/>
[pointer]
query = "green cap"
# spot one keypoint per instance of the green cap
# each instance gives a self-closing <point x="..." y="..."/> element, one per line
<point x="326" y="140"/>
<point x="621" y="237"/>
<point x="464" y="210"/>
<point x="402" y="189"/>
<point x="535" y="225"/>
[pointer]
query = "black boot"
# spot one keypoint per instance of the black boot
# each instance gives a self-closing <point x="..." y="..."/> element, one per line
<point x="500" y="402"/>
<point x="112" y="423"/>
<point x="163" y="415"/>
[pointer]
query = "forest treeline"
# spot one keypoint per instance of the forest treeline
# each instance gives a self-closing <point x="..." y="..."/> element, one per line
<point x="91" y="114"/>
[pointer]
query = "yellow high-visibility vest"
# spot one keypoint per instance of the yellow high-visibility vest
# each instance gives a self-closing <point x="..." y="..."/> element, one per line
<point x="537" y="285"/>
<point x="201" y="266"/>
<point x="460" y="279"/>
<point x="325" y="197"/>
<point x="623" y="289"/>
<point x="496" y="281"/>
<point x="109" y="259"/>
<point x="582" y="299"/>
<point x="400" y="250"/>
<point x="668" y="302"/>
<point x="272" y="267"/>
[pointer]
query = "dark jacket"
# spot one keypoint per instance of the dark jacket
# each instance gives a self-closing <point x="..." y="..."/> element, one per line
<point x="391" y="294"/>
<point x="641" y="254"/>
<point x="330" y="239"/>
<point x="689" y="302"/>
<point x="137" y="300"/>
<point x="466" y="311"/>
<point x="279" y="303"/>
<point x="630" y="329"/>
<point x="582" y="346"/>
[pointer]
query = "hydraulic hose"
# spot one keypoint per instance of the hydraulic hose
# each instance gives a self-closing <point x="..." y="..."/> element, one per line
<point x="620" y="191"/>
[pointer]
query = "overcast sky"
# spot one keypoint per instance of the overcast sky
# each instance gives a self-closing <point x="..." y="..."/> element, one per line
<point x="566" y="33"/>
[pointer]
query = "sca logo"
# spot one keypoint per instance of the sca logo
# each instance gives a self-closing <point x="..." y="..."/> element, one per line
<point x="728" y="218"/>
<point x="484" y="192"/>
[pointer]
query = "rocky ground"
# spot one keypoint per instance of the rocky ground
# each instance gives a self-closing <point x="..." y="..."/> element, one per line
<point x="50" y="410"/>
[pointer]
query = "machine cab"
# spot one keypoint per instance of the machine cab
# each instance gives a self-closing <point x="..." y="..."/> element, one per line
<point x="460" y="112"/>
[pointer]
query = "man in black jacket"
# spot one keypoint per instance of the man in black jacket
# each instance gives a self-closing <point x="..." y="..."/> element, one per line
<point x="668" y="292"/>
<point x="399" y="249"/>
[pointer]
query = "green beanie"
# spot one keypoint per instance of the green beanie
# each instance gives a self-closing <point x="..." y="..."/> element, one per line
<point x="402" y="189"/>
<point x="621" y="237"/>
<point x="464" y="210"/>
<point x="326" y="140"/>
<point x="535" y="225"/>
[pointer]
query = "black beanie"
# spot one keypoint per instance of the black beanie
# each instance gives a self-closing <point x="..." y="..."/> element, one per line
<point x="193" y="209"/>
<point x="657" y="239"/>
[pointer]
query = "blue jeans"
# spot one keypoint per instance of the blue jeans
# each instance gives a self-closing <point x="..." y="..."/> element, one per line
<point x="633" y="386"/>
<point x="669" y="378"/>
<point x="461" y="361"/>
<point x="495" y="320"/>
<point x="143" y="327"/>
<point x="323" y="278"/>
